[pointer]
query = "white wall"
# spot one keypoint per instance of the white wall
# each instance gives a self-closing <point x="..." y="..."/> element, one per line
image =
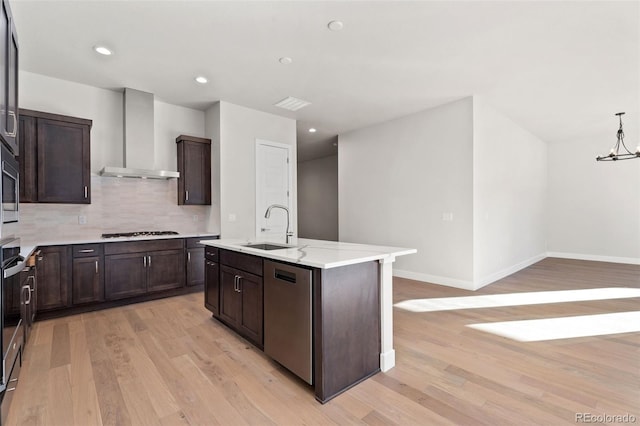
<point x="239" y="128"/>
<point x="594" y="207"/>
<point x="396" y="179"/>
<point x="171" y="121"/>
<point x="104" y="107"/>
<point x="318" y="198"/>
<point x="212" y="131"/>
<point x="509" y="193"/>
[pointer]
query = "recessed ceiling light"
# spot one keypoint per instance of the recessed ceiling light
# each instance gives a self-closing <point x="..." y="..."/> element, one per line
<point x="312" y="130"/>
<point x="285" y="60"/>
<point x="335" y="25"/>
<point x="202" y="80"/>
<point x="291" y="103"/>
<point x="103" y="50"/>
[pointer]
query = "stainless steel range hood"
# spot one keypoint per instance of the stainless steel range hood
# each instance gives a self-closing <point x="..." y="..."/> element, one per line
<point x="138" y="139"/>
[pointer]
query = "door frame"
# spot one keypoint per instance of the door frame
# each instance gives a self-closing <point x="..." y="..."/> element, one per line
<point x="289" y="183"/>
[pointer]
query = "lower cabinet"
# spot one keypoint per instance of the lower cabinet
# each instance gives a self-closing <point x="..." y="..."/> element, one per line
<point x="53" y="267"/>
<point x="126" y="275"/>
<point x="138" y="267"/>
<point x="241" y="294"/>
<point x="88" y="274"/>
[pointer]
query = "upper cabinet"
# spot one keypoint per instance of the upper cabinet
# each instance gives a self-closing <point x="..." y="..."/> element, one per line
<point x="194" y="165"/>
<point x="55" y="158"/>
<point x="9" y="81"/>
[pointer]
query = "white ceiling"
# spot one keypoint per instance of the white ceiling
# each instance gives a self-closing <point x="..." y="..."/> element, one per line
<point x="559" y="69"/>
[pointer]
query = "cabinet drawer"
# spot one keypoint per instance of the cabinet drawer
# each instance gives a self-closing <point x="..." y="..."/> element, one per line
<point x="245" y="262"/>
<point x="211" y="253"/>
<point x="87" y="250"/>
<point x="125" y="247"/>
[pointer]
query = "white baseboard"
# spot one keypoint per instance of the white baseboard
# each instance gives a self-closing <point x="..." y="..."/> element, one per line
<point x="434" y="279"/>
<point x="595" y="258"/>
<point x="387" y="360"/>
<point x="479" y="283"/>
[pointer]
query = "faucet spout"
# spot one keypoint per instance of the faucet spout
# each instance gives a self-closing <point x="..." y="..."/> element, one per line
<point x="280" y="206"/>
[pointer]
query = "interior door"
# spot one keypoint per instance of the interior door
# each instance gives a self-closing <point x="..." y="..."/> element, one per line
<point x="273" y="186"/>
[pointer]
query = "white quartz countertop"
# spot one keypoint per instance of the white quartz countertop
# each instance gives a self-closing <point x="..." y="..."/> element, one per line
<point x="28" y="247"/>
<point x="315" y="253"/>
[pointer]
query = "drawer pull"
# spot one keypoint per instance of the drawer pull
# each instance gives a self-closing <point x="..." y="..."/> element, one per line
<point x="86" y="251"/>
<point x="10" y="389"/>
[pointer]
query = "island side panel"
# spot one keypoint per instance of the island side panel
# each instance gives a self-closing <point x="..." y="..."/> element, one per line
<point x="346" y="327"/>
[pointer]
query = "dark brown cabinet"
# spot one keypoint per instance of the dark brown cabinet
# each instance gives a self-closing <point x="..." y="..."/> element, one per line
<point x="54" y="158"/>
<point x="136" y="268"/>
<point x="88" y="274"/>
<point x="195" y="262"/>
<point x="194" y="165"/>
<point x="53" y="274"/>
<point x="212" y="281"/>
<point x="9" y="80"/>
<point x="241" y="294"/>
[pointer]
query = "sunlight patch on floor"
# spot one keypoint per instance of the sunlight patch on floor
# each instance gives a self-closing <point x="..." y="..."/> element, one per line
<point x="516" y="299"/>
<point x="564" y="328"/>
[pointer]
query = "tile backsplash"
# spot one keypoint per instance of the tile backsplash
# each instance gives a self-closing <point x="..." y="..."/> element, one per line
<point x="117" y="205"/>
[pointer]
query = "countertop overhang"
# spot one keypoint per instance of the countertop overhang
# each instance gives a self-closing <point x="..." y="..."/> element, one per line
<point x="316" y="253"/>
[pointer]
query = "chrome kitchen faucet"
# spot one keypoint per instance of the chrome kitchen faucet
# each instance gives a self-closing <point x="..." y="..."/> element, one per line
<point x="280" y="206"/>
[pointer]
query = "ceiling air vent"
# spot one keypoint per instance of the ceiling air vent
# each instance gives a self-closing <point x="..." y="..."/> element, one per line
<point x="292" y="104"/>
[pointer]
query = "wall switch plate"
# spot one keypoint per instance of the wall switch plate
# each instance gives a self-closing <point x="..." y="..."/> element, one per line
<point x="195" y="218"/>
<point x="82" y="220"/>
<point x="447" y="217"/>
<point x="232" y="217"/>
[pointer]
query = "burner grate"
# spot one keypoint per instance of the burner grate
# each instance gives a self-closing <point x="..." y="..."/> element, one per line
<point x="138" y="234"/>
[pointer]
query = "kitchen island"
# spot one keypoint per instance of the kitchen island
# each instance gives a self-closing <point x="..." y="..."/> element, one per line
<point x="351" y="299"/>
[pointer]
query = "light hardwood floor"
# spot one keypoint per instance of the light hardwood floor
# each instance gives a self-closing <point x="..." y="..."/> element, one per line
<point x="168" y="362"/>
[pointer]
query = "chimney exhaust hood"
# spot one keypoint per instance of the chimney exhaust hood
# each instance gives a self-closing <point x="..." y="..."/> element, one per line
<point x="138" y="139"/>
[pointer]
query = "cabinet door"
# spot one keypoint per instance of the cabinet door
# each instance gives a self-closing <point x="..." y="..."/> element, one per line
<point x="5" y="24"/>
<point x="88" y="280"/>
<point x="212" y="287"/>
<point x="230" y="298"/>
<point x="194" y="165"/>
<point x="125" y="275"/>
<point x="251" y="319"/>
<point x="54" y="278"/>
<point x="63" y="162"/>
<point x="27" y="159"/>
<point x="165" y="270"/>
<point x="195" y="266"/>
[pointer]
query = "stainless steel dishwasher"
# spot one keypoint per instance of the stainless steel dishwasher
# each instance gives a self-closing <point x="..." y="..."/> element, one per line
<point x="287" y="317"/>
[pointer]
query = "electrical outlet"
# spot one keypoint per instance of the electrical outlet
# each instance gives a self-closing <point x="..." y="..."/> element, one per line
<point x="195" y="218"/>
<point x="82" y="220"/>
<point x="232" y="217"/>
<point x="447" y="217"/>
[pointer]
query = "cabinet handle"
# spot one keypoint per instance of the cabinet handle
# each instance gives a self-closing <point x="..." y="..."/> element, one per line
<point x="86" y="192"/>
<point x="96" y="267"/>
<point x="12" y="114"/>
<point x="189" y="256"/>
<point x="144" y="261"/>
<point x="149" y="263"/>
<point x="10" y="389"/>
<point x="235" y="283"/>
<point x="86" y="251"/>
<point x="28" y="287"/>
<point x="239" y="284"/>
<point x="186" y="195"/>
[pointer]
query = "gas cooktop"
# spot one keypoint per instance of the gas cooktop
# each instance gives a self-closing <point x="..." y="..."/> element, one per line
<point x="139" y="234"/>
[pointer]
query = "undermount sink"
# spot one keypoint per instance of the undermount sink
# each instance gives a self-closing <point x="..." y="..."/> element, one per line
<point x="266" y="246"/>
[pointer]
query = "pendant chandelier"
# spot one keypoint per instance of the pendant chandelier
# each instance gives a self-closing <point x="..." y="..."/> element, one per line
<point x="614" y="154"/>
